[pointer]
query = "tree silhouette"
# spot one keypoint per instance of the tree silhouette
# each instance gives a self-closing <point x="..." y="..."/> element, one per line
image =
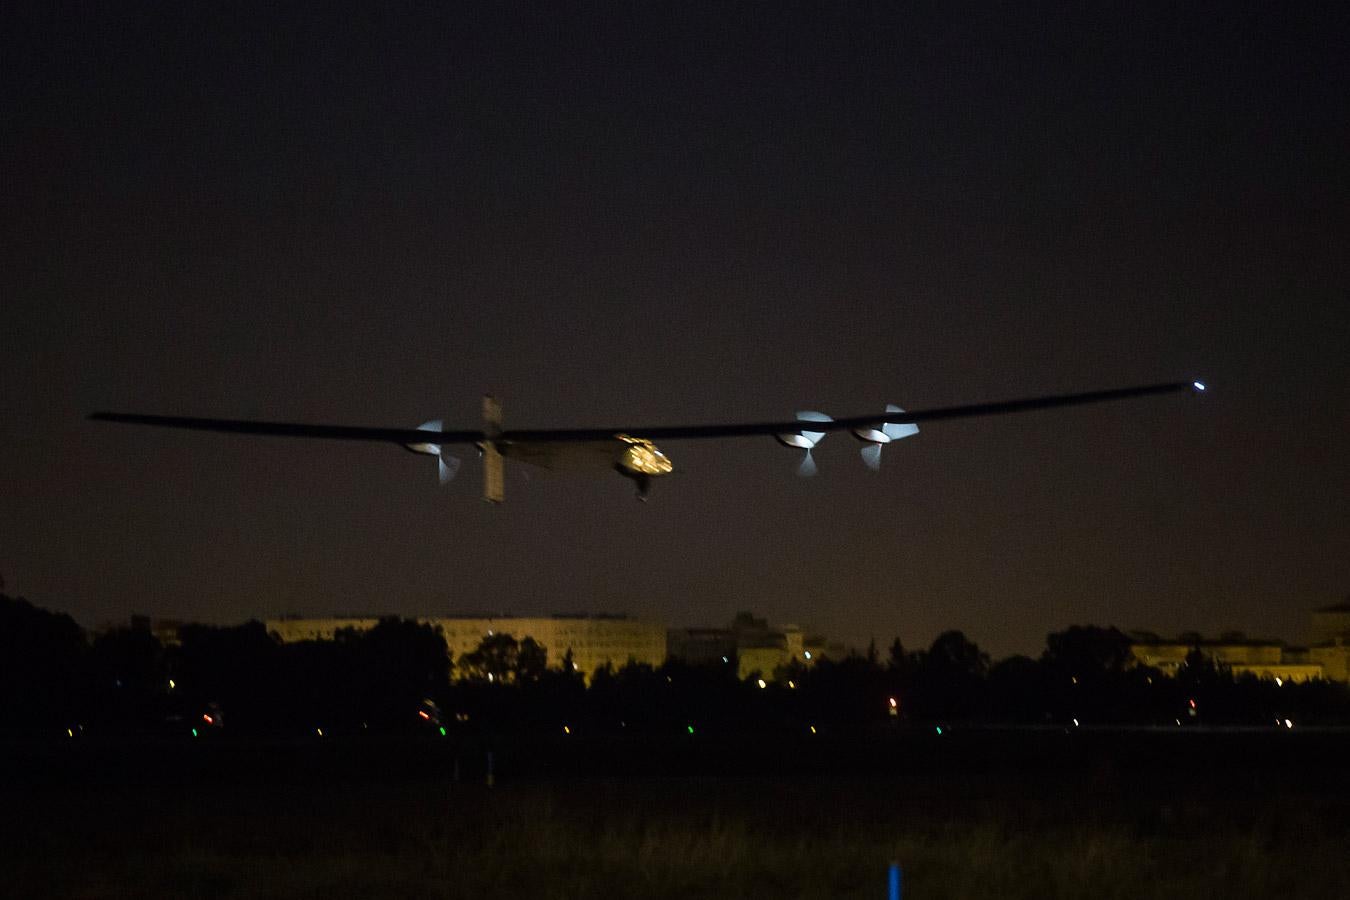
<point x="949" y="679"/>
<point x="235" y="669"/>
<point x="398" y="664"/>
<point x="41" y="657"/>
<point x="129" y="676"/>
<point x="531" y="660"/>
<point x="496" y="659"/>
<point x="1087" y="652"/>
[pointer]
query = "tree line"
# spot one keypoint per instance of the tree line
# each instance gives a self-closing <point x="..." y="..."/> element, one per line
<point x="396" y="678"/>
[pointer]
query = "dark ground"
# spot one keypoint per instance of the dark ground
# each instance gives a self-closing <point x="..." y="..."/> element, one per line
<point x="967" y="814"/>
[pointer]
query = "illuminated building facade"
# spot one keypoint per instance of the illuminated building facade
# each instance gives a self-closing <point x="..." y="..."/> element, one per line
<point x="1327" y="656"/>
<point x="754" y="645"/>
<point x="1330" y="625"/>
<point x="163" y="630"/>
<point x="1329" y="640"/>
<point x="1264" y="659"/>
<point x="594" y="641"/>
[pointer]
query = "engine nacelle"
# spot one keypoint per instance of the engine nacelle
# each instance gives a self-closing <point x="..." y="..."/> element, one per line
<point x="446" y="466"/>
<point x="805" y="439"/>
<point x="878" y="435"/>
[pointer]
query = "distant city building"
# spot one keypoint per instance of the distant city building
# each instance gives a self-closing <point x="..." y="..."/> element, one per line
<point x="1327" y="656"/>
<point x="594" y="640"/>
<point x="1329" y="640"/>
<point x="751" y="643"/>
<point x="1330" y="625"/>
<point x="1262" y="658"/>
<point x="164" y="630"/>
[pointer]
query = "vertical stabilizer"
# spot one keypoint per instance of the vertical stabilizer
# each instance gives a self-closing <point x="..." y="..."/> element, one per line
<point x="493" y="474"/>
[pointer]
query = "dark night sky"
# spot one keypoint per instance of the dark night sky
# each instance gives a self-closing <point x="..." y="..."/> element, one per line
<point x="673" y="213"/>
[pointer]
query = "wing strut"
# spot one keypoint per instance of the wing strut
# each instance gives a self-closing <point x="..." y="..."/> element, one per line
<point x="494" y="480"/>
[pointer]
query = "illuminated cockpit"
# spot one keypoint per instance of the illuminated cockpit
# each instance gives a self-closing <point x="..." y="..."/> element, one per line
<point x="641" y="457"/>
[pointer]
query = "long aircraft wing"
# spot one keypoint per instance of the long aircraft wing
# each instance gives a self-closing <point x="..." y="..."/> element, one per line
<point x="405" y="436"/>
<point x="295" y="429"/>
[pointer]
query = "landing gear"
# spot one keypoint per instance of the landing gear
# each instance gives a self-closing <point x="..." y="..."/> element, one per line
<point x="640" y="479"/>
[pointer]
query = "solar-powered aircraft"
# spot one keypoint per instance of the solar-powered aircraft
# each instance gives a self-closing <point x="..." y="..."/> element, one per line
<point x="632" y="451"/>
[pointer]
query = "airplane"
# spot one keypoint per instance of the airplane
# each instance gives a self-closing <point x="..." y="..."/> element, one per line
<point x="631" y="451"/>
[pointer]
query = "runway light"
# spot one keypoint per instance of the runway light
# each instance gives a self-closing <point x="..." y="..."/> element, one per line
<point x="813" y="729"/>
<point x="1192" y="704"/>
<point x="762" y="684"/>
<point x="171" y="684"/>
<point x="691" y="728"/>
<point x="70" y="732"/>
<point x="1199" y="386"/>
<point x="1288" y="724"/>
<point x="319" y="731"/>
<point x="1075" y="723"/>
<point x="939" y="730"/>
<point x="423" y="714"/>
<point x="792" y="685"/>
<point x="442" y="731"/>
<point x="194" y="732"/>
<point x="567" y="729"/>
<point x="894" y="703"/>
<point x="807" y="654"/>
<point x="724" y="659"/>
<point x="207" y="719"/>
<point x="1279" y="682"/>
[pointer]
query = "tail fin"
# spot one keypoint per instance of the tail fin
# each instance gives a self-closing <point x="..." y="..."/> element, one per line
<point x="494" y="481"/>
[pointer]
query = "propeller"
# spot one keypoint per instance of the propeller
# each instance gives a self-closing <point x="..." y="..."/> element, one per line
<point x="877" y="436"/>
<point x="805" y="440"/>
<point x="446" y="465"/>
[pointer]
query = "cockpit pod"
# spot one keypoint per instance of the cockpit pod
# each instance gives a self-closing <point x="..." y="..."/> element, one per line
<point x="642" y="461"/>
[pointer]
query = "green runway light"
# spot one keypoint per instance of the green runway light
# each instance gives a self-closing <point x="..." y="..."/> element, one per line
<point x="194" y="732"/>
<point x="442" y="731"/>
<point x="691" y="728"/>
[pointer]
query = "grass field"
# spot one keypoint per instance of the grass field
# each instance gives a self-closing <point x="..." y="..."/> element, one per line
<point x="1100" y="832"/>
